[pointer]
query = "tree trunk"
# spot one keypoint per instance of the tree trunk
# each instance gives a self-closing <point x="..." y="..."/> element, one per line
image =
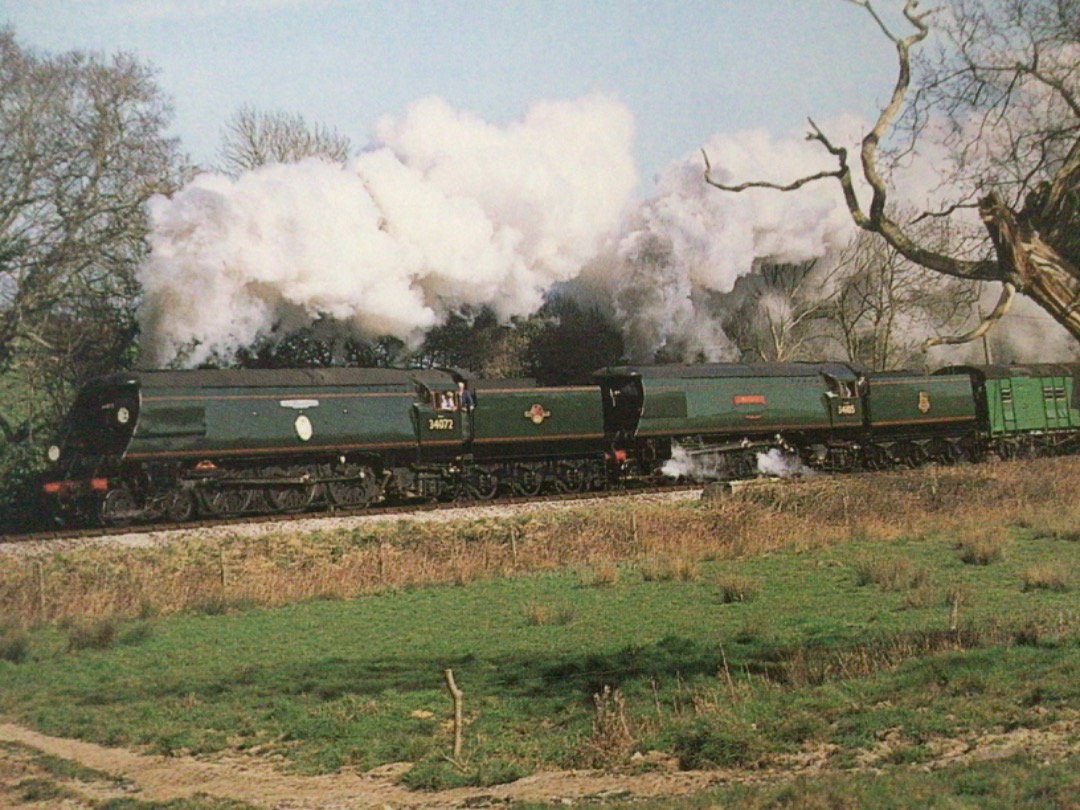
<point x="1033" y="266"/>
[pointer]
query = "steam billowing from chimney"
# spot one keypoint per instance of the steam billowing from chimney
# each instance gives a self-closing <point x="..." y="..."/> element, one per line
<point x="690" y="242"/>
<point x="445" y="211"/>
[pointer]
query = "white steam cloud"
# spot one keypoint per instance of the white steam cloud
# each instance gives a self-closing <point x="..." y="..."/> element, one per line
<point x="691" y="242"/>
<point x="444" y="212"/>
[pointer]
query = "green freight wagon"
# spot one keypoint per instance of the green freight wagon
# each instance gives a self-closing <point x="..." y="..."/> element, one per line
<point x="915" y="417"/>
<point x="1026" y="409"/>
<point x="731" y="412"/>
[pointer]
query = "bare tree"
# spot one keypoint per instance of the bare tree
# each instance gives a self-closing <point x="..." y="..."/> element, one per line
<point x="251" y="139"/>
<point x="781" y="315"/>
<point x="883" y="306"/>
<point x="82" y="147"/>
<point x="1008" y="80"/>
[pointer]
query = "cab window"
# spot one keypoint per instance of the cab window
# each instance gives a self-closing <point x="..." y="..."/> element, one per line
<point x="444" y="400"/>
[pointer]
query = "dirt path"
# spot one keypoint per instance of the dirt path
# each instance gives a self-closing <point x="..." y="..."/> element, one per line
<point x="156" y="778"/>
<point x="257" y="783"/>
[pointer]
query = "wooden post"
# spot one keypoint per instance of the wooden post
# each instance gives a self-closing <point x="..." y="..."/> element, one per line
<point x="457" y="695"/>
<point x="513" y="544"/>
<point x="39" y="570"/>
<point x="223" y="573"/>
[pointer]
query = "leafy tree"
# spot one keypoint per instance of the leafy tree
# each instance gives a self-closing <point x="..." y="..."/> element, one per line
<point x="82" y="147"/>
<point x="251" y="139"/>
<point x="1004" y="87"/>
<point x="572" y="342"/>
<point x="476" y="341"/>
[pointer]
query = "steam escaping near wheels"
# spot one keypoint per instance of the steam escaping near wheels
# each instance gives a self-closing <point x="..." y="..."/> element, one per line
<point x="711" y="464"/>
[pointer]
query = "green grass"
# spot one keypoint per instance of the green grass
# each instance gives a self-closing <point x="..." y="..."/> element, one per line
<point x="821" y="655"/>
<point x="1013" y="783"/>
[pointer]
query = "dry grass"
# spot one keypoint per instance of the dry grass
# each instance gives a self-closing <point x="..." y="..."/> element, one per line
<point x="670" y="569"/>
<point x="538" y="615"/>
<point x="1045" y="576"/>
<point x="660" y="541"/>
<point x="983" y="545"/>
<point x="1059" y="522"/>
<point x="612" y="740"/>
<point x="890" y="573"/>
<point x="604" y="574"/>
<point x="736" y="589"/>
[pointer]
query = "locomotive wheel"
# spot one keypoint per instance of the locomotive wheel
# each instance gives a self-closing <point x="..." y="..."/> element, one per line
<point x="909" y="454"/>
<point x="528" y="481"/>
<point x="483" y="484"/>
<point x="358" y="491"/>
<point x="876" y="457"/>
<point x="177" y="505"/>
<point x="571" y="478"/>
<point x="119" y="508"/>
<point x="943" y="451"/>
<point x="228" y="501"/>
<point x="289" y="497"/>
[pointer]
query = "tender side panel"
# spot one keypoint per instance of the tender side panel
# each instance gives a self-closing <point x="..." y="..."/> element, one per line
<point x="920" y="403"/>
<point x="537" y="422"/>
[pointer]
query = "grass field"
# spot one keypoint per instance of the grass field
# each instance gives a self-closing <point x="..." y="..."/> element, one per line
<point x="882" y="628"/>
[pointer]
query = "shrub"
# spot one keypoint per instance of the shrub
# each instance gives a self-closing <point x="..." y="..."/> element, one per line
<point x="982" y="546"/>
<point x="14" y="646"/>
<point x="20" y="465"/>
<point x="91" y="635"/>
<point x="890" y="574"/>
<point x="1045" y="576"/>
<point x="736" y="589"/>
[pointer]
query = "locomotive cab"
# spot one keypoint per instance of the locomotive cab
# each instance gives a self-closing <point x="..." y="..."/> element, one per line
<point x="624" y="402"/>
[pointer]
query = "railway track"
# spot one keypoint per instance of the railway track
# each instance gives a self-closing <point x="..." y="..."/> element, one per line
<point x="402" y="509"/>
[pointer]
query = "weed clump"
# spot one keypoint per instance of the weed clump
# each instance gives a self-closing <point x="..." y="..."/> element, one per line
<point x="982" y="546"/>
<point x="735" y="588"/>
<point x="97" y="634"/>
<point x="14" y="646"/>
<point x="670" y="569"/>
<point x="890" y="573"/>
<point x="602" y="575"/>
<point x="716" y="742"/>
<point x="538" y="615"/>
<point x="1045" y="576"/>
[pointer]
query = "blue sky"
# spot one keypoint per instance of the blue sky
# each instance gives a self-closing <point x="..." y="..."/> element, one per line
<point x="687" y="69"/>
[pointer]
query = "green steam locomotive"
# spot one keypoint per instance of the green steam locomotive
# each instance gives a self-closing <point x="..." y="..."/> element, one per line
<point x="170" y="445"/>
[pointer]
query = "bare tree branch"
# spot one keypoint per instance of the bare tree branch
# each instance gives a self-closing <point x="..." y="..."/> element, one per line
<point x="1023" y="108"/>
<point x="1008" y="293"/>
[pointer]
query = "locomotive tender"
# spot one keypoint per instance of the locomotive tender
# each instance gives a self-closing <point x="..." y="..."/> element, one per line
<point x="167" y="445"/>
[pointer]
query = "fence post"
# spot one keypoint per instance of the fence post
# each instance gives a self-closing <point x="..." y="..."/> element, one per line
<point x="39" y="571"/>
<point x="457" y="695"/>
